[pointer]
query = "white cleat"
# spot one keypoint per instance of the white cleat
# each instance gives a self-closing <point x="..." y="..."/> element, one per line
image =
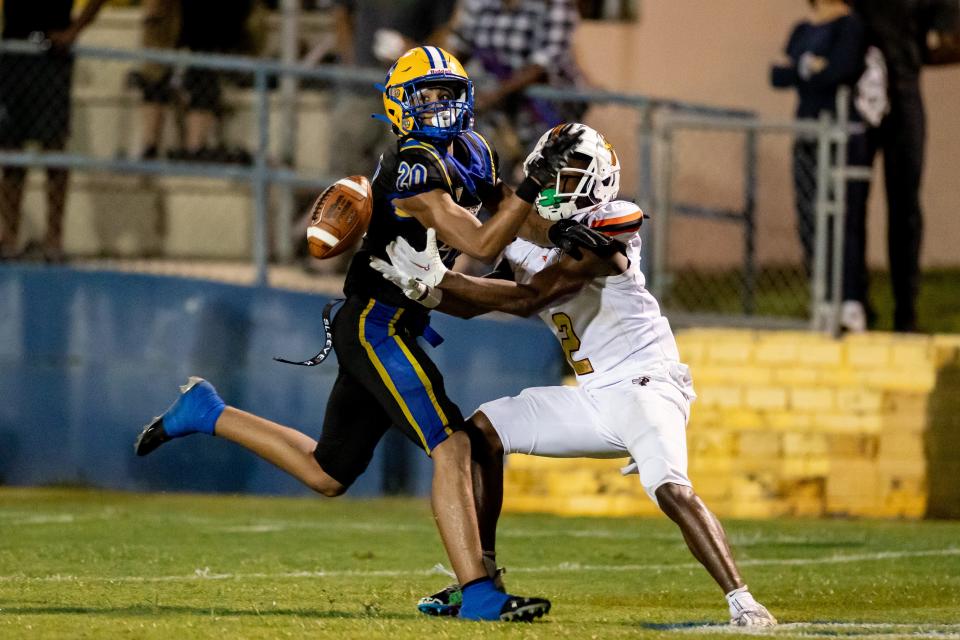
<point x="754" y="616"/>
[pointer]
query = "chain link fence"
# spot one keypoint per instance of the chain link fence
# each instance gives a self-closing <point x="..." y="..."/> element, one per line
<point x="210" y="156"/>
<point x="753" y="224"/>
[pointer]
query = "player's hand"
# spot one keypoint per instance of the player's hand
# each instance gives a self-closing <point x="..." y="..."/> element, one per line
<point x="411" y="287"/>
<point x="554" y="155"/>
<point x="571" y="236"/>
<point x="426" y="266"/>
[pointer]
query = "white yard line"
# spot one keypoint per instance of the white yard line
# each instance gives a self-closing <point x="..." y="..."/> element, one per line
<point x="53" y="518"/>
<point x="275" y="526"/>
<point x="872" y="630"/>
<point x="566" y="567"/>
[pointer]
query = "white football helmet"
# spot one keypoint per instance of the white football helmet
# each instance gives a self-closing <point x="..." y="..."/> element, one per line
<point x="599" y="181"/>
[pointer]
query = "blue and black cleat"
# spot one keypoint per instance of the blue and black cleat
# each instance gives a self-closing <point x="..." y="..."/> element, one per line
<point x="518" y="609"/>
<point x="195" y="411"/>
<point x="445" y="602"/>
<point x="483" y="601"/>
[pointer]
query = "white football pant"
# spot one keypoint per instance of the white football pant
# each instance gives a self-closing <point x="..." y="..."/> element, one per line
<point x="643" y="416"/>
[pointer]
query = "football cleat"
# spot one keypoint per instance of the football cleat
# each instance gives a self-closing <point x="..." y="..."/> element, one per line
<point x="445" y="602"/>
<point x="483" y="601"/>
<point x="195" y="411"/>
<point x="755" y="616"/>
<point x="518" y="609"/>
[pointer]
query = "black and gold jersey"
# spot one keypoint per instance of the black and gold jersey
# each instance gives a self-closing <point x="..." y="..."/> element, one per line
<point x="467" y="170"/>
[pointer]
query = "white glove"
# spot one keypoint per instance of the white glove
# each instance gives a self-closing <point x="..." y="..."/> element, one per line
<point x="411" y="287"/>
<point x="426" y="266"/>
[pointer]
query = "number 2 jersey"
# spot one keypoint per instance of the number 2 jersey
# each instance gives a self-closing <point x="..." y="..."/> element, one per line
<point x="612" y="328"/>
<point x="467" y="170"/>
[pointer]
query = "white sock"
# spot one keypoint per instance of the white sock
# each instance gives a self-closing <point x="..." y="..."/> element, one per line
<point x="740" y="599"/>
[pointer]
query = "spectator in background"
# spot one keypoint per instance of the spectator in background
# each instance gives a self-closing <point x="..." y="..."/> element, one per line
<point x="901" y="28"/>
<point x="373" y="34"/>
<point x="520" y="43"/>
<point x="825" y="52"/>
<point x="35" y="106"/>
<point x="210" y="26"/>
<point x="161" y="30"/>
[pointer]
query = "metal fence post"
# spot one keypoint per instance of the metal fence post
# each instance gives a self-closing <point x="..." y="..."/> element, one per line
<point x="645" y="176"/>
<point x="261" y="178"/>
<point x="839" y="182"/>
<point x="661" y="236"/>
<point x="289" y="85"/>
<point x="749" y="223"/>
<point x="822" y="205"/>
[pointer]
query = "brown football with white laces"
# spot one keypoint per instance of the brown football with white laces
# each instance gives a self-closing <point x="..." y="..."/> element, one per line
<point x="340" y="217"/>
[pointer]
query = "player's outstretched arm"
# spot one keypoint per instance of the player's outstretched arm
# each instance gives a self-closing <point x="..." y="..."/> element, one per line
<point x="412" y="270"/>
<point x="460" y="229"/>
<point x="565" y="277"/>
<point x="428" y="296"/>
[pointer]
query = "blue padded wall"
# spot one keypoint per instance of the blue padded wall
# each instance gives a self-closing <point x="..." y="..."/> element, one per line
<point x="86" y="358"/>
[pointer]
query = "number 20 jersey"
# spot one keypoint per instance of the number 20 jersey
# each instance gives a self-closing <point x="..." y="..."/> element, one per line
<point x="612" y="328"/>
<point x="467" y="170"/>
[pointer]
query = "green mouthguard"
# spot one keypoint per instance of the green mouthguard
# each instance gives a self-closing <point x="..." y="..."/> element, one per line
<point x="548" y="198"/>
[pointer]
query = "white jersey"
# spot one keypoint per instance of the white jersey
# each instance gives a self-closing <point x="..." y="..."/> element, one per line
<point x="612" y="328"/>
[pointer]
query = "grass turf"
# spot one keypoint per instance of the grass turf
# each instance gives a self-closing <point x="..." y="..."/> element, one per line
<point x="90" y="564"/>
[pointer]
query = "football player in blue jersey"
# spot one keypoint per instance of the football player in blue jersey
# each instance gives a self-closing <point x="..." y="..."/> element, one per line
<point x="438" y="175"/>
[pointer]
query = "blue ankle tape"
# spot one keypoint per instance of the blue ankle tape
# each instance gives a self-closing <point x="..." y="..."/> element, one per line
<point x="195" y="411"/>
<point x="482" y="601"/>
<point x="209" y="420"/>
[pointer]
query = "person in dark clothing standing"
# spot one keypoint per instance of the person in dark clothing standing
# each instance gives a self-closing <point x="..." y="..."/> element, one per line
<point x="211" y="26"/>
<point x="825" y="53"/>
<point x="900" y="28"/>
<point x="35" y="106"/>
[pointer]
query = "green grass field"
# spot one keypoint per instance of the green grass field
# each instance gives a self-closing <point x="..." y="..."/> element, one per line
<point x="88" y="564"/>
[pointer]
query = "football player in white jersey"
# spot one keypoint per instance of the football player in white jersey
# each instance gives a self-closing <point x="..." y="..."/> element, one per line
<point x="633" y="394"/>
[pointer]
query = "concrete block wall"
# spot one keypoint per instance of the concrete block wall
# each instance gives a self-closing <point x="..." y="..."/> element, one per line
<point x="792" y="423"/>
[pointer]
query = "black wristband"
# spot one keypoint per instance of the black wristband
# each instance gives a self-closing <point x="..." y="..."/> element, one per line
<point x="528" y="190"/>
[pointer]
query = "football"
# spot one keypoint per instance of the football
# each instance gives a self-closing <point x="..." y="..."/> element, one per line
<point x="339" y="217"/>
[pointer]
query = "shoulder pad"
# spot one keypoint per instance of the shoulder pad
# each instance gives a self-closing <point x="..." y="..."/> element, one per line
<point x="486" y="152"/>
<point x="420" y="167"/>
<point x="618" y="219"/>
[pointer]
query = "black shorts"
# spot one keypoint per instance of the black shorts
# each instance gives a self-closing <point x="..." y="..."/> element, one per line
<point x="203" y="89"/>
<point x="35" y="99"/>
<point x="385" y="379"/>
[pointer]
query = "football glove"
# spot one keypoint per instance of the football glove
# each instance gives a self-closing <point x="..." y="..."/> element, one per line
<point x="542" y="170"/>
<point x="411" y="287"/>
<point x="571" y="236"/>
<point x="426" y="266"/>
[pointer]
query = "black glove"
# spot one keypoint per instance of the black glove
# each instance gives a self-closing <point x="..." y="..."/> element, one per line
<point x="543" y="169"/>
<point x="570" y="236"/>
